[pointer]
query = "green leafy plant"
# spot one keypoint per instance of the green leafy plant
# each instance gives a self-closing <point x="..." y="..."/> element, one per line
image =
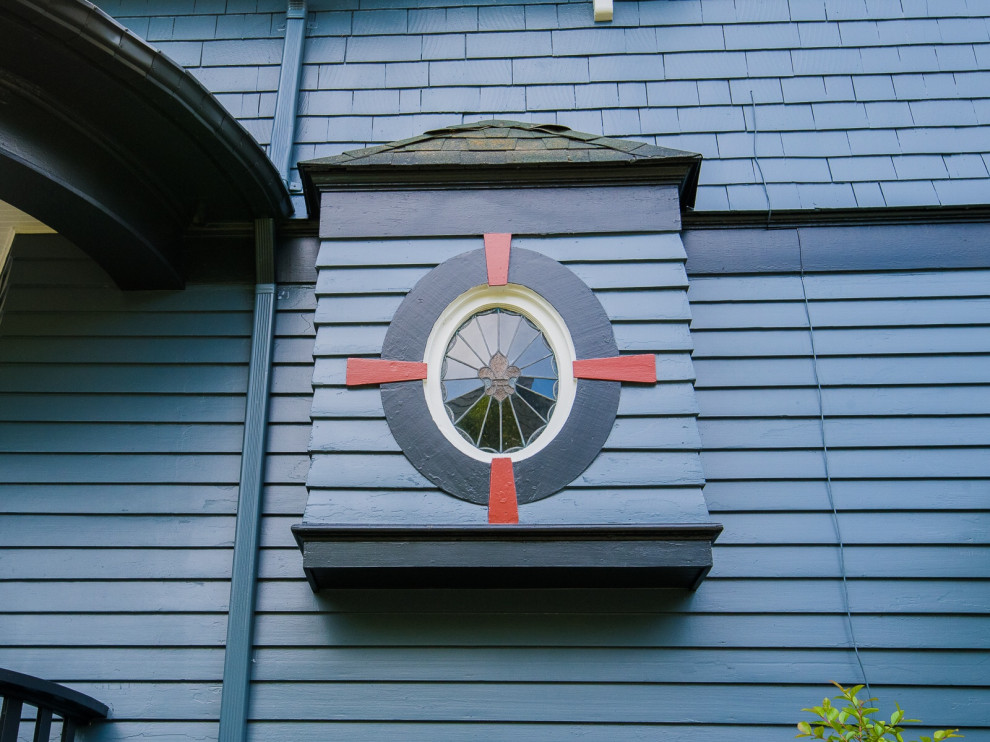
<point x="855" y="721"/>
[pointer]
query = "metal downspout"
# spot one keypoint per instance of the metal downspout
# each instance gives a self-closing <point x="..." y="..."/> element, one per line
<point x="284" y="126"/>
<point x="243" y="578"/>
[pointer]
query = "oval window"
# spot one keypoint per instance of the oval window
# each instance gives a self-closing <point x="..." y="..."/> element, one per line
<point x="499" y="381"/>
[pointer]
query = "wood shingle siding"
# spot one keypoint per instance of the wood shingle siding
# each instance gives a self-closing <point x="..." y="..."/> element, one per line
<point x="848" y="104"/>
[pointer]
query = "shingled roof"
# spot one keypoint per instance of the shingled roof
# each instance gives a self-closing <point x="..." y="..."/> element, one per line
<point x="496" y="149"/>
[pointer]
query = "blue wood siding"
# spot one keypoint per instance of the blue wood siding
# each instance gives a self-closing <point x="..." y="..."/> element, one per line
<point x="649" y="469"/>
<point x="120" y="412"/>
<point x="767" y="630"/>
<point x="907" y="419"/>
<point x="120" y="436"/>
<point x="846" y="102"/>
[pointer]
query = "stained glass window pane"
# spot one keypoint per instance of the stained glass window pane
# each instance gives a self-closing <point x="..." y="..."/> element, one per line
<point x="499" y="381"/>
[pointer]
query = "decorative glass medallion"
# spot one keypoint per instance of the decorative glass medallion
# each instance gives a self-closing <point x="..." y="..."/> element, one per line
<point x="499" y="381"/>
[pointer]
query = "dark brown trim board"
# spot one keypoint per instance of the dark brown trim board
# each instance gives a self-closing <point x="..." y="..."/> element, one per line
<point x="846" y="241"/>
<point x="507" y="556"/>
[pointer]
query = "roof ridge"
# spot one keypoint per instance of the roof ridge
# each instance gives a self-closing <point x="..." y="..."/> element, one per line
<point x="468" y="152"/>
<point x="543" y="142"/>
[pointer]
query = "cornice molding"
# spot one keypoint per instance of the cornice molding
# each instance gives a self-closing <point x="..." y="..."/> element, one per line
<point x="834" y="217"/>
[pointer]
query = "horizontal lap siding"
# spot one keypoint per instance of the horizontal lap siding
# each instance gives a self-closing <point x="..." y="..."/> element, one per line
<point x="902" y="359"/>
<point x="640" y="280"/>
<point x="120" y="436"/>
<point x="560" y="657"/>
<point x="289" y="433"/>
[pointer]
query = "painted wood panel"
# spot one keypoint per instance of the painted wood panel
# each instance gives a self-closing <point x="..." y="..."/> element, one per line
<point x="775" y="582"/>
<point x="394" y="470"/>
<point x="121" y="499"/>
<point x="511" y="731"/>
<point x="669" y="433"/>
<point x="803" y="560"/>
<point x="572" y="505"/>
<point x="902" y="361"/>
<point x="568" y="629"/>
<point x="836" y="248"/>
<point x="195" y="298"/>
<point x="870" y="286"/>
<point x="130" y="324"/>
<point x="785" y="561"/>
<point x="841" y="313"/>
<point x="896" y="386"/>
<point x="769" y="557"/>
<point x="146" y="563"/>
<point x="119" y="408"/>
<point x="165" y="730"/>
<point x="115" y="597"/>
<point x="716" y="596"/>
<point x="633" y="702"/>
<point x="356" y="296"/>
<point x="390" y="280"/>
<point x="61" y="377"/>
<point x="599" y="665"/>
<point x="899" y="494"/>
<point x="111" y="468"/>
<point x="97" y="630"/>
<point x="872" y="432"/>
<point x="633" y="305"/>
<point x="482" y="210"/>
<point x="115" y="665"/>
<point x="566" y="249"/>
<point x="846" y="371"/>
<point x="848" y="401"/>
<point x="120" y="432"/>
<point x="87" y="437"/>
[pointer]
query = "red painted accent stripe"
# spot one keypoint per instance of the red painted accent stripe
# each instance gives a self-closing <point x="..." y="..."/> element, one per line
<point x="642" y="368"/>
<point x="362" y="371"/>
<point x="497" y="257"/>
<point x="502" y="506"/>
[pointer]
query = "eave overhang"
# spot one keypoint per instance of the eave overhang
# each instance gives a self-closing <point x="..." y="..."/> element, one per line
<point x="502" y="154"/>
<point x="116" y="147"/>
<point x="507" y="556"/>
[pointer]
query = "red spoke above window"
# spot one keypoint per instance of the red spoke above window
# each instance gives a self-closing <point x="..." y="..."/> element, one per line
<point x="497" y="258"/>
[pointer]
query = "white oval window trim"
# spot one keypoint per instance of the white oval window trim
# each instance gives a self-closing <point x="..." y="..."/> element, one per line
<point x="542" y="314"/>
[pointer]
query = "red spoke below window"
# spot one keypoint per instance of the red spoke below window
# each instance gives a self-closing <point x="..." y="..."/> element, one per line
<point x="502" y="507"/>
<point x="497" y="258"/>
<point x="641" y="368"/>
<point x="362" y="371"/>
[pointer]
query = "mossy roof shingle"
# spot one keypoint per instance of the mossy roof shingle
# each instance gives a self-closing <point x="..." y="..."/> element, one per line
<point x="500" y="142"/>
<point x="502" y="151"/>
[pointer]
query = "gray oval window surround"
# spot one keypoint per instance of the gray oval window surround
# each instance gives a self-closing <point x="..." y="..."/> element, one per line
<point x="549" y="450"/>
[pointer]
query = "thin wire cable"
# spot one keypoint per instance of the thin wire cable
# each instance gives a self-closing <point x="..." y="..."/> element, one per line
<point x="828" y="474"/>
<point x="756" y="158"/>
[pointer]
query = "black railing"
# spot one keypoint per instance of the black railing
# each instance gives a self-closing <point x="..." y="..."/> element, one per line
<point x="50" y="699"/>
